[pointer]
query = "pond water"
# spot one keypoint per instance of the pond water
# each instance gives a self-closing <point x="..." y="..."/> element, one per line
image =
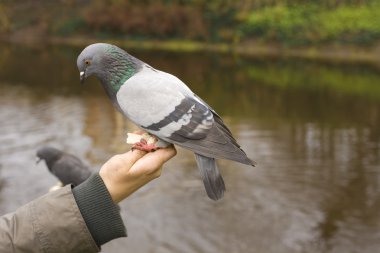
<point x="313" y="129"/>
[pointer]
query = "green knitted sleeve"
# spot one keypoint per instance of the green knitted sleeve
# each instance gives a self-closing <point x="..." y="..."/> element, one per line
<point x="101" y="214"/>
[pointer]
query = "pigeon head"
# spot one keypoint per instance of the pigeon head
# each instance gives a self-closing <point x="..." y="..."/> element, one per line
<point x="109" y="63"/>
<point x="48" y="154"/>
<point x="90" y="60"/>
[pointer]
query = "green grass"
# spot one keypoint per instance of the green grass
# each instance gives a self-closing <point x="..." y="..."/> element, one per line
<point x="313" y="23"/>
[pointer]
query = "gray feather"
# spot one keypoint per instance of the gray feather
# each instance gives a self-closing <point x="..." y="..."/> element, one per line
<point x="211" y="177"/>
<point x="67" y="168"/>
<point x="178" y="112"/>
<point x="164" y="106"/>
<point x="219" y="143"/>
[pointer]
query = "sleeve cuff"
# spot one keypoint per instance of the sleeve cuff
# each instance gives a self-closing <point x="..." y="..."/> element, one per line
<point x="101" y="214"/>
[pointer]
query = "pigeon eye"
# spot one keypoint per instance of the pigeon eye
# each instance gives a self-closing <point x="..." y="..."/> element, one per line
<point x="87" y="62"/>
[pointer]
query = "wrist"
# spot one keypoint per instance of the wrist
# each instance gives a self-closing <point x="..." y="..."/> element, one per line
<point x="99" y="211"/>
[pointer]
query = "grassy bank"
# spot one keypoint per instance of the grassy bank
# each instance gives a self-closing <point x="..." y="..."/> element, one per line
<point x="344" y="31"/>
<point x="315" y="23"/>
<point x="281" y="22"/>
<point x="329" y="53"/>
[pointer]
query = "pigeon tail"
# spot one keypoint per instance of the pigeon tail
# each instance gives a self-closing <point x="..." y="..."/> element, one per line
<point x="212" y="179"/>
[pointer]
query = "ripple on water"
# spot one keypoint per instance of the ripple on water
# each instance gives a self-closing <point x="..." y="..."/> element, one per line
<point x="26" y="126"/>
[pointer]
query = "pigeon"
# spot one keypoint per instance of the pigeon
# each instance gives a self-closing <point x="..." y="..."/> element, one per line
<point x="68" y="168"/>
<point x="162" y="105"/>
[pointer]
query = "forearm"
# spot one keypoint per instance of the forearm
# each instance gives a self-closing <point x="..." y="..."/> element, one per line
<point x="81" y="219"/>
<point x="54" y="222"/>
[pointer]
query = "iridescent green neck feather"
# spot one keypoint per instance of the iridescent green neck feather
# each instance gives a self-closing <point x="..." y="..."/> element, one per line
<point x="119" y="67"/>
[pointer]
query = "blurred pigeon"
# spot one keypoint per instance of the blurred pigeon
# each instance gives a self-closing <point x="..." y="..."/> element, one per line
<point x="164" y="106"/>
<point x="67" y="168"/>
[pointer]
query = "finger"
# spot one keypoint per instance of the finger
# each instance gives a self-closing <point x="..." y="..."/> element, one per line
<point x="132" y="156"/>
<point x="162" y="155"/>
<point x="153" y="161"/>
<point x="166" y="154"/>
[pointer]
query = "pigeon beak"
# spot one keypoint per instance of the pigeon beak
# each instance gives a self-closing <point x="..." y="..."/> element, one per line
<point x="38" y="160"/>
<point x="82" y="76"/>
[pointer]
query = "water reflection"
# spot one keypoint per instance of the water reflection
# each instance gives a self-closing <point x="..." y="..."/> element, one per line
<point x="316" y="188"/>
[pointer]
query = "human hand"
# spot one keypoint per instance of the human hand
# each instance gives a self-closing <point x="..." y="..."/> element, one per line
<point x="125" y="173"/>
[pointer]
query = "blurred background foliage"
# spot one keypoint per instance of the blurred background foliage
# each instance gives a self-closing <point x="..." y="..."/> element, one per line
<point x="297" y="81"/>
<point x="287" y="22"/>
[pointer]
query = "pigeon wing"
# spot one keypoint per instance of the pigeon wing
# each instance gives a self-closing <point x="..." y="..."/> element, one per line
<point x="164" y="106"/>
<point x="70" y="170"/>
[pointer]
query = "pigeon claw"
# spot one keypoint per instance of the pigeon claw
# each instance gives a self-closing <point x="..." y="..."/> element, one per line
<point x="144" y="146"/>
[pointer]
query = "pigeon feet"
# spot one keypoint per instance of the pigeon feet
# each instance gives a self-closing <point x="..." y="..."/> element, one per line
<point x="143" y="145"/>
<point x="143" y="141"/>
